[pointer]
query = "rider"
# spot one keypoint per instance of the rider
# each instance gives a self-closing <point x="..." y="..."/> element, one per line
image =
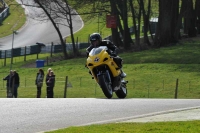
<point x="96" y="41"/>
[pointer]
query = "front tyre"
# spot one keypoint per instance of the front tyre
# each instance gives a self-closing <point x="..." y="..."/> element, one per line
<point x="105" y="86"/>
<point x="122" y="92"/>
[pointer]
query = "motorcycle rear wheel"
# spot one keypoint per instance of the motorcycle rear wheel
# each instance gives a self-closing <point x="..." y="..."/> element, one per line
<point x="122" y="92"/>
<point x="105" y="86"/>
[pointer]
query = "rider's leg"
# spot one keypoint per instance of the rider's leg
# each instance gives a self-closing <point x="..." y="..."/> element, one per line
<point x="123" y="75"/>
<point x="91" y="74"/>
<point x="119" y="61"/>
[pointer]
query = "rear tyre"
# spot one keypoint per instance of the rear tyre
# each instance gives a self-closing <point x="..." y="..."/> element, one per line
<point x="122" y="92"/>
<point x="105" y="86"/>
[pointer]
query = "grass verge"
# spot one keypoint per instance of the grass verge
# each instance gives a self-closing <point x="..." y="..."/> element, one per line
<point x="151" y="74"/>
<point x="156" y="127"/>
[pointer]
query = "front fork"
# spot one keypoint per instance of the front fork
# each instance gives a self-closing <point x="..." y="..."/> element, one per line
<point x="107" y="75"/>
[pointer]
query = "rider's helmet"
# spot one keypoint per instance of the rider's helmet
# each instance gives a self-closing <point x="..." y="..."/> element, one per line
<point x="95" y="39"/>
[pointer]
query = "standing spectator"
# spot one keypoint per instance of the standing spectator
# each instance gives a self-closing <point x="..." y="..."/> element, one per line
<point x="47" y="78"/>
<point x="39" y="82"/>
<point x="48" y="71"/>
<point x="50" y="82"/>
<point x="9" y="84"/>
<point x="15" y="78"/>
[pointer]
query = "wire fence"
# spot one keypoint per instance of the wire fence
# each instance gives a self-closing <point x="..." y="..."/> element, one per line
<point x="82" y="87"/>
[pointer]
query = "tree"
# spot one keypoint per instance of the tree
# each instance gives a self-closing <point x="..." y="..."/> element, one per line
<point x="179" y="21"/>
<point x="197" y="9"/>
<point x="146" y="16"/>
<point x="68" y="12"/>
<point x="136" y="23"/>
<point x="189" y="18"/>
<point x="57" y="11"/>
<point x="122" y="5"/>
<point x="167" y="20"/>
<point x="115" y="34"/>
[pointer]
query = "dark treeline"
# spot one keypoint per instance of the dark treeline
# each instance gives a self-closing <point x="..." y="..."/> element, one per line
<point x="175" y="18"/>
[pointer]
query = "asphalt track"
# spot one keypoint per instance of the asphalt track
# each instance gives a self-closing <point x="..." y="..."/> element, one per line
<point x="38" y="115"/>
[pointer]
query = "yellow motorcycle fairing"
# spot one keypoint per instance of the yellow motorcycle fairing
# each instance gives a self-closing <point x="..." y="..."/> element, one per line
<point x="100" y="57"/>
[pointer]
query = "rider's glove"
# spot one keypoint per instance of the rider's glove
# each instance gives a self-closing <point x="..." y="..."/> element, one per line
<point x="114" y="54"/>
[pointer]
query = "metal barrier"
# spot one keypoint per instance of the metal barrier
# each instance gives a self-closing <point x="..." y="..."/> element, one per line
<point x="36" y="49"/>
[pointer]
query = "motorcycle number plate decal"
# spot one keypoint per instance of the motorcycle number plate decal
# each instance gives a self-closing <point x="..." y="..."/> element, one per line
<point x="96" y="59"/>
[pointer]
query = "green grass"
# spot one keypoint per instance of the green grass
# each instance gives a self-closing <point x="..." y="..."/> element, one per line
<point x="156" y="127"/>
<point x="151" y="74"/>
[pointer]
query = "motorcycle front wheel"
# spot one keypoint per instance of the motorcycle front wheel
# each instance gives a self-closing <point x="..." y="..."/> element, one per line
<point x="105" y="86"/>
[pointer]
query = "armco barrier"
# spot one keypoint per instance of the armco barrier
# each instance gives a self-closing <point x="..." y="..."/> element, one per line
<point x="36" y="49"/>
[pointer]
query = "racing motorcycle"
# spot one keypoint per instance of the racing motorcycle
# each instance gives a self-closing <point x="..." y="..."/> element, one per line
<point x="106" y="72"/>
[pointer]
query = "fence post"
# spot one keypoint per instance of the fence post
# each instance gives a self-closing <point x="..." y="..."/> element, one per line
<point x="25" y="82"/>
<point x="163" y="84"/>
<point x="47" y="61"/>
<point x="80" y="81"/>
<point x="148" y="91"/>
<point x="51" y="49"/>
<point x="189" y="85"/>
<point x="65" y="90"/>
<point x="25" y="53"/>
<point x="176" y="90"/>
<point x="5" y="59"/>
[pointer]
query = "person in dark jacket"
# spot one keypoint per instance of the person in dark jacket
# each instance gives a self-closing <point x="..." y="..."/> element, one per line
<point x="50" y="82"/>
<point x="15" y="78"/>
<point x="39" y="82"/>
<point x="96" y="41"/>
<point x="9" y="91"/>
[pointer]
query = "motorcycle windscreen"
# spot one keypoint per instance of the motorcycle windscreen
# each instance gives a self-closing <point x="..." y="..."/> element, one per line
<point x="97" y="50"/>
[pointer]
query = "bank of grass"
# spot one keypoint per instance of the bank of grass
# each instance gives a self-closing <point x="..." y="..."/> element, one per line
<point x="155" y="127"/>
<point x="151" y="74"/>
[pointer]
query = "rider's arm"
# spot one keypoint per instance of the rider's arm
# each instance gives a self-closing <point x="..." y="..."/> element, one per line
<point x="112" y="47"/>
<point x="88" y="50"/>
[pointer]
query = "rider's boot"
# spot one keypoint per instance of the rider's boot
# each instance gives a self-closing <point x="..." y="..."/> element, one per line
<point x="123" y="75"/>
<point x="91" y="74"/>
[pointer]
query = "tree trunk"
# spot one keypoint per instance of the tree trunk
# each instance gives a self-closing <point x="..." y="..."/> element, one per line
<point x="134" y="23"/>
<point x="190" y="19"/>
<point x="57" y="29"/>
<point x="197" y="9"/>
<point x="115" y="34"/>
<point x="71" y="28"/>
<point x="126" y="34"/>
<point x="166" y="23"/>
<point x="146" y="15"/>
<point x="179" y="22"/>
